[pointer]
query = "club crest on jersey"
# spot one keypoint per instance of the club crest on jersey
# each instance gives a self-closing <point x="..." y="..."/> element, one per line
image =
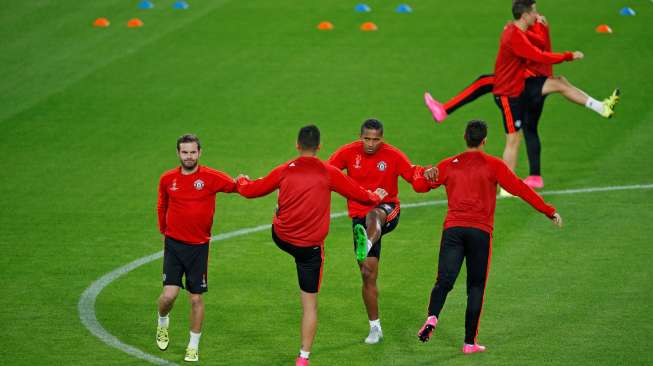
<point x="381" y="166"/>
<point x="357" y="163"/>
<point x="198" y="184"/>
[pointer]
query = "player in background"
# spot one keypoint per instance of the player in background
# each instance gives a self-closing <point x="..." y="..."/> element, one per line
<point x="373" y="163"/>
<point x="301" y="221"/>
<point x="185" y="208"/>
<point x="538" y="75"/>
<point x="471" y="179"/>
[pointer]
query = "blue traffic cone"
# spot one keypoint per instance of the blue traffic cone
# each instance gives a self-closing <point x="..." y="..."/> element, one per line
<point x="629" y="12"/>
<point x="145" y="5"/>
<point x="182" y="5"/>
<point x="363" y="8"/>
<point x="404" y="8"/>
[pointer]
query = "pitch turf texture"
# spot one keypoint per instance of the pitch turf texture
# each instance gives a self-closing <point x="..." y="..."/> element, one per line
<point x="88" y="120"/>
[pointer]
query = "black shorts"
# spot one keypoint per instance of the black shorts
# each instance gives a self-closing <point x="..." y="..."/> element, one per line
<point x="181" y="259"/>
<point x="308" y="261"/>
<point x="392" y="220"/>
<point x="514" y="109"/>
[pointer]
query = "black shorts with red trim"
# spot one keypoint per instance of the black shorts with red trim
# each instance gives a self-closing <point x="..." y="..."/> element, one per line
<point x="391" y="221"/>
<point x="514" y="109"/>
<point x="185" y="260"/>
<point x="308" y="260"/>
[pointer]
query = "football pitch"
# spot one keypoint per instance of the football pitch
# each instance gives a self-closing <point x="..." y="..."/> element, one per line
<point x="88" y="122"/>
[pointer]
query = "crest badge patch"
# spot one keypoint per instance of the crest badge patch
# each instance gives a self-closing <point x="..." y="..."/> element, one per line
<point x="381" y="166"/>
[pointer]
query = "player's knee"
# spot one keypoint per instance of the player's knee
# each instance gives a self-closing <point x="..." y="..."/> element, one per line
<point x="369" y="274"/>
<point x="445" y="283"/>
<point x="167" y="298"/>
<point x="196" y="300"/>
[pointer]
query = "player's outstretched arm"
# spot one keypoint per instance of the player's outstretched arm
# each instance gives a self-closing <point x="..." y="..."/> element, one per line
<point x="348" y="188"/>
<point x="511" y="183"/>
<point x="429" y="177"/>
<point x="259" y="187"/>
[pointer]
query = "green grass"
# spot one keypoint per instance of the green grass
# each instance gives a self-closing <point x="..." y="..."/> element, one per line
<point x="88" y="120"/>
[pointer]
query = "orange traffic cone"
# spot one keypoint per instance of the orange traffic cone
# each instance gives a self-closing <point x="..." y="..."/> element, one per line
<point x="101" y="22"/>
<point x="369" y="26"/>
<point x="134" y="23"/>
<point x="325" y="26"/>
<point x="603" y="28"/>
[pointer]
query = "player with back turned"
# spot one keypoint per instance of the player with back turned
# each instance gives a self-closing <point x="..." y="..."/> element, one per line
<point x="471" y="180"/>
<point x="302" y="218"/>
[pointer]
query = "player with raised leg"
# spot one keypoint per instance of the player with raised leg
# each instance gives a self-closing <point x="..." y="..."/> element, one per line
<point x="301" y="221"/>
<point x="373" y="163"/>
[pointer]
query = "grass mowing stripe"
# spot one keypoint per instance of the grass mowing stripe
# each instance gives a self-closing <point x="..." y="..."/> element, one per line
<point x="86" y="305"/>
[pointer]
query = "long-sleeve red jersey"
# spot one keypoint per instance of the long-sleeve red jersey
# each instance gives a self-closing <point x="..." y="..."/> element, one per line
<point x="303" y="208"/>
<point x="379" y="170"/>
<point x="539" y="36"/>
<point x="471" y="180"/>
<point x="514" y="51"/>
<point x="187" y="203"/>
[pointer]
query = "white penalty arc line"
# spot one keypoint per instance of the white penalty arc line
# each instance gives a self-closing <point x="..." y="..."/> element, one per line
<point x="86" y="305"/>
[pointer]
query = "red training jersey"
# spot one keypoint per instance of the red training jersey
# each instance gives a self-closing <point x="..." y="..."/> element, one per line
<point x="539" y="36"/>
<point x="379" y="170"/>
<point x="187" y="203"/>
<point x="514" y="51"/>
<point x="471" y="180"/>
<point x="303" y="208"/>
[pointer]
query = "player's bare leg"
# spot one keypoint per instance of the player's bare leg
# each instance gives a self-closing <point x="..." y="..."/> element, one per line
<point x="511" y="150"/>
<point x="374" y="220"/>
<point x="309" y="326"/>
<point x="510" y="153"/>
<point x="167" y="299"/>
<point x="369" y="273"/>
<point x="166" y="302"/>
<point x="196" y="319"/>
<point x="560" y="84"/>
<point x="196" y="313"/>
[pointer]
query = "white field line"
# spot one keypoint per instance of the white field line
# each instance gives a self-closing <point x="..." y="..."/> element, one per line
<point x="86" y="305"/>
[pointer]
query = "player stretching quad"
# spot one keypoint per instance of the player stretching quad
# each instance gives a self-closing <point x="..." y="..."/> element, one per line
<point x="539" y="82"/>
<point x="373" y="163"/>
<point x="185" y="208"/>
<point x="302" y="218"/>
<point x="471" y="179"/>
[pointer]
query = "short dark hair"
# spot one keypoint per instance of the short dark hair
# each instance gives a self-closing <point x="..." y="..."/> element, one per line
<point x="372" y="124"/>
<point x="189" y="137"/>
<point x="475" y="132"/>
<point x="309" y="137"/>
<point x="519" y="7"/>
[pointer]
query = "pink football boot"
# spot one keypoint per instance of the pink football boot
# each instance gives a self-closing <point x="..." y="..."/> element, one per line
<point x="472" y="348"/>
<point x="437" y="109"/>
<point x="534" y="181"/>
<point x="425" y="332"/>
<point x="301" y="361"/>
